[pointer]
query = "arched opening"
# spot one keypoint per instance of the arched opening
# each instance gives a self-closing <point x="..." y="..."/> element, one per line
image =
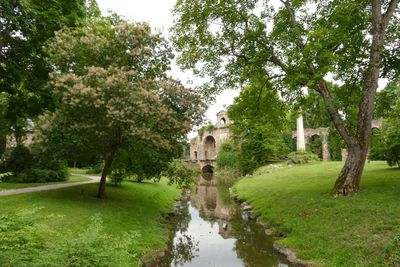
<point x="208" y="169"/>
<point x="222" y="121"/>
<point x="314" y="145"/>
<point x="209" y="148"/>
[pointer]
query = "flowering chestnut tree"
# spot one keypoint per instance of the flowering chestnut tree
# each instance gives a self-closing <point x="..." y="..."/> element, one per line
<point x="110" y="80"/>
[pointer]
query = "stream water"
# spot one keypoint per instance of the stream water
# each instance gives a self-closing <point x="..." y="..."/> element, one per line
<point x="212" y="231"/>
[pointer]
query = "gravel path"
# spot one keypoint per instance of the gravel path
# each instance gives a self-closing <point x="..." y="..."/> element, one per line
<point x="94" y="179"/>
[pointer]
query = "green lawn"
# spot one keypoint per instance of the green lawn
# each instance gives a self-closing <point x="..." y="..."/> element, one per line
<point x="344" y="231"/>
<point x="130" y="207"/>
<point x="71" y="179"/>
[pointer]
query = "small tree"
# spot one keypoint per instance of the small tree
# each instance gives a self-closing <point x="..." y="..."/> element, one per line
<point x="110" y="80"/>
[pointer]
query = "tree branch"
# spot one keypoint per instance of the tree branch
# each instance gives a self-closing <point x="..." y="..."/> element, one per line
<point x="334" y="114"/>
<point x="389" y="13"/>
<point x="294" y="23"/>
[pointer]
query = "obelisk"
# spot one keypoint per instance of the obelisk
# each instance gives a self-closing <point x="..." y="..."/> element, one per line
<point x="301" y="145"/>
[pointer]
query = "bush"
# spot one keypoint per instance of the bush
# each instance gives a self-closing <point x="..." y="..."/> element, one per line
<point x="17" y="159"/>
<point x="393" y="155"/>
<point x="117" y="176"/>
<point x="228" y="156"/>
<point x="181" y="173"/>
<point x="37" y="176"/>
<point x="302" y="157"/>
<point x="33" y="166"/>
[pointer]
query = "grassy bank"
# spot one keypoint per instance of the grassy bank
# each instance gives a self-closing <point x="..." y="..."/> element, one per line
<point x="71" y="179"/>
<point x="131" y="207"/>
<point x="344" y="231"/>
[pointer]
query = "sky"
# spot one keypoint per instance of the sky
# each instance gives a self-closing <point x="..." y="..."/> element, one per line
<point x="158" y="13"/>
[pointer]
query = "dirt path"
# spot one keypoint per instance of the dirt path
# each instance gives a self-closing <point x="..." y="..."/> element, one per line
<point x="94" y="179"/>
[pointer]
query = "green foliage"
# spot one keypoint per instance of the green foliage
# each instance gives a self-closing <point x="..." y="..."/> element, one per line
<point x="335" y="144"/>
<point x="110" y="80"/>
<point x="204" y="128"/>
<point x="33" y="166"/>
<point x="302" y="157"/>
<point x="258" y="127"/>
<point x="181" y="174"/>
<point x="26" y="27"/>
<point x="17" y="159"/>
<point x="117" y="176"/>
<point x="228" y="156"/>
<point x="391" y="132"/>
<point x="378" y="146"/>
<point x="386" y="141"/>
<point x="387" y="99"/>
<point x="314" y="146"/>
<point x="24" y="241"/>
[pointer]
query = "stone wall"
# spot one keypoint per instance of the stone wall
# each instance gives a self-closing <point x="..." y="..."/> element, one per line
<point x="203" y="148"/>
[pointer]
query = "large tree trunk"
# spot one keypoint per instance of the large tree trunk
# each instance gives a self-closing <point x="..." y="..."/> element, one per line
<point x="358" y="145"/>
<point x="106" y="170"/>
<point x="350" y="176"/>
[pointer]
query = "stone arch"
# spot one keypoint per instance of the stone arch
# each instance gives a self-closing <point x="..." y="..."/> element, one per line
<point x="323" y="133"/>
<point x="207" y="169"/>
<point x="314" y="144"/>
<point x="209" y="148"/>
<point x="222" y="121"/>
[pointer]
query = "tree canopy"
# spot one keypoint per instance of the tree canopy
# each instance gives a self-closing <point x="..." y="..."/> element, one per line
<point x="25" y="27"/>
<point x="325" y="46"/>
<point x="111" y="84"/>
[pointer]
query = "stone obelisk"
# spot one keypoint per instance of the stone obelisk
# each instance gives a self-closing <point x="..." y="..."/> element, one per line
<point x="301" y="144"/>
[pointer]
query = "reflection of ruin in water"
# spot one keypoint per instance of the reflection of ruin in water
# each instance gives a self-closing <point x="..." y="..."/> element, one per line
<point x="207" y="200"/>
<point x="209" y="233"/>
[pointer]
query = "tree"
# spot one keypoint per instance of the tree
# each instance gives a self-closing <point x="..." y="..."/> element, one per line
<point x="258" y="126"/>
<point x="25" y="27"/>
<point x="110" y="80"/>
<point x="296" y="45"/>
<point x="392" y="141"/>
<point x="387" y="143"/>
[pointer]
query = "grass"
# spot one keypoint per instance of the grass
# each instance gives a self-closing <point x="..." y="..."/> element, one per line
<point x="345" y="231"/>
<point x="71" y="179"/>
<point x="77" y="170"/>
<point x="131" y="206"/>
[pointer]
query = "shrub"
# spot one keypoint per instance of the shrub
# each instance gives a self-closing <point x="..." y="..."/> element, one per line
<point x="302" y="157"/>
<point x="181" y="173"/>
<point x="37" y="176"/>
<point x="228" y="156"/>
<point x="117" y="176"/>
<point x="17" y="159"/>
<point x="393" y="155"/>
<point x="33" y="166"/>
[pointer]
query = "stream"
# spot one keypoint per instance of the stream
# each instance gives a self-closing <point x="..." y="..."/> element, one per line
<point x="211" y="230"/>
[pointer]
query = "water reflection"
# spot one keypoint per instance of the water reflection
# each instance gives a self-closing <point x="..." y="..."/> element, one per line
<point x="211" y="233"/>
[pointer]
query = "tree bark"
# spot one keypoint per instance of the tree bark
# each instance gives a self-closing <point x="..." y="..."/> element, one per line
<point x="349" y="177"/>
<point x="106" y="170"/>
